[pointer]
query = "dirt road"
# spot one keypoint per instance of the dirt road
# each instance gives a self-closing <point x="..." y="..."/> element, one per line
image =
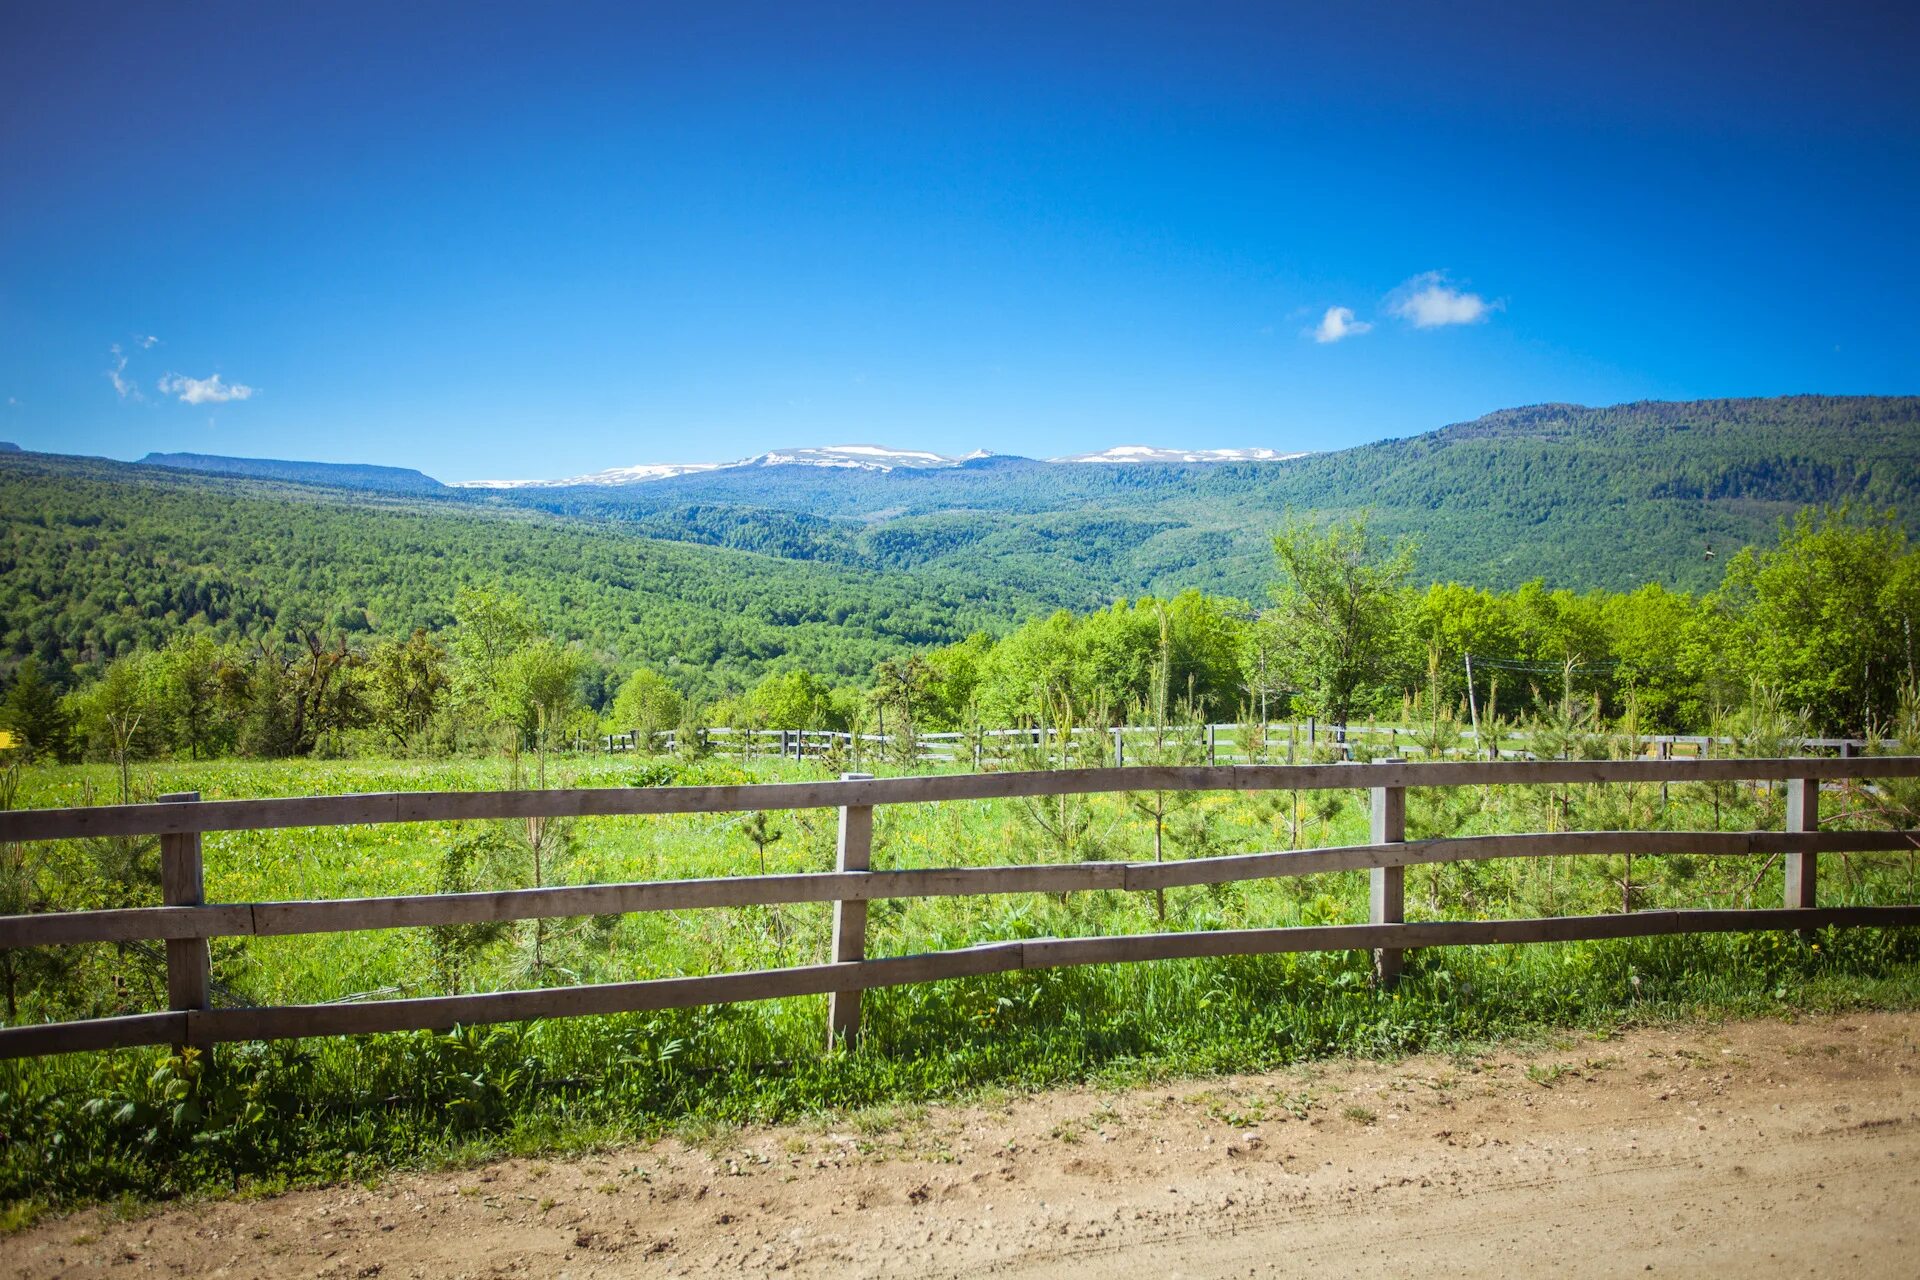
<point x="1762" y="1148"/>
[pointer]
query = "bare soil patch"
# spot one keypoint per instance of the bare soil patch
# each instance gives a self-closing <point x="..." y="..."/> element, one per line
<point x="1747" y="1148"/>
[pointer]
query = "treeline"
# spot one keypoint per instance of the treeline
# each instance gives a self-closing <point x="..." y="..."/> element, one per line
<point x="494" y="679"/>
<point x="1820" y="628"/>
<point x="101" y="560"/>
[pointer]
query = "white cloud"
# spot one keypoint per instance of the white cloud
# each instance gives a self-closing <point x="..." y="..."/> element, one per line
<point x="1429" y="301"/>
<point x="1339" y="323"/>
<point x="204" y="390"/>
<point x="148" y="343"/>
<point x="122" y="385"/>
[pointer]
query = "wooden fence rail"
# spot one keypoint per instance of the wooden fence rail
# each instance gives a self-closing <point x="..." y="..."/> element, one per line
<point x="186" y="922"/>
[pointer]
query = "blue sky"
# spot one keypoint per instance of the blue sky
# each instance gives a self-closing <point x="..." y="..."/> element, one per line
<point x="493" y="244"/>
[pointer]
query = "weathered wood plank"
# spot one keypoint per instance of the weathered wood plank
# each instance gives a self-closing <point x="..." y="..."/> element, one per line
<point x="853" y="857"/>
<point x="202" y="1027"/>
<point x="1051" y="952"/>
<point x="1387" y="883"/>
<point x="125" y="924"/>
<point x="37" y="1040"/>
<point x="440" y="1012"/>
<point x="183" y="884"/>
<point x="269" y="919"/>
<point x="424" y="806"/>
<point x="1802" y="863"/>
<point x="340" y="915"/>
<point x="1363" y="857"/>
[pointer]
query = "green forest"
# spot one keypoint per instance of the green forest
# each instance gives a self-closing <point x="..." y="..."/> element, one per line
<point x="99" y="560"/>
<point x="1816" y="629"/>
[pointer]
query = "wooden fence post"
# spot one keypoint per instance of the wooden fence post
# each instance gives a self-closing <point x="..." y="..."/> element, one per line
<point x="183" y="884"/>
<point x="1803" y="814"/>
<point x="850" y="918"/>
<point x="1387" y="886"/>
<point x="1211" y="757"/>
<point x="1119" y="749"/>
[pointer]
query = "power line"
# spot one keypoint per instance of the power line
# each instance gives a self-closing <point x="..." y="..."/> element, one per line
<point x="1545" y="668"/>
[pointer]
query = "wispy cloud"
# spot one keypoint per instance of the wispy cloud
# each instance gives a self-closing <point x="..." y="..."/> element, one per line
<point x="204" y="390"/>
<point x="1430" y="301"/>
<point x="122" y="385"/>
<point x="1339" y="323"/>
<point x="148" y="343"/>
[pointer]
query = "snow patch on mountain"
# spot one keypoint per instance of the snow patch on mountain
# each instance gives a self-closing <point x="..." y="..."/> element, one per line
<point x="872" y="457"/>
<point x="614" y="476"/>
<point x="859" y="457"/>
<point x="1125" y="453"/>
<point x="865" y="457"/>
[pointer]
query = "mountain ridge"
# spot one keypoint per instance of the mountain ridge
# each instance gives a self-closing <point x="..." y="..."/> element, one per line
<point x="1580" y="496"/>
<point x="347" y="475"/>
<point x="869" y="457"/>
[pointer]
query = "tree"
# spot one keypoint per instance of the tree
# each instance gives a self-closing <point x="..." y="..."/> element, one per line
<point x="537" y="686"/>
<point x="1167" y="744"/>
<point x="1204" y="640"/>
<point x="115" y="713"/>
<point x="760" y="833"/>
<point x="308" y="692"/>
<point x="455" y="949"/>
<point x="32" y="712"/>
<point x="186" y="685"/>
<point x="25" y="888"/>
<point x="409" y="681"/>
<point x="900" y="688"/>
<point x="952" y="695"/>
<point x="491" y="627"/>
<point x="647" y="705"/>
<point x="1341" y="604"/>
<point x="1827" y="618"/>
<point x="792" y="700"/>
<point x="1262" y="662"/>
<point x="1063" y="823"/>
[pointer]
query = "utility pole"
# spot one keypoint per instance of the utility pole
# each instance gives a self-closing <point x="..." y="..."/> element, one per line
<point x="1472" y="706"/>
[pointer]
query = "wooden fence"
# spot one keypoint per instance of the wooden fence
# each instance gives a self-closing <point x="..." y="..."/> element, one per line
<point x="186" y="921"/>
<point x="1223" y="743"/>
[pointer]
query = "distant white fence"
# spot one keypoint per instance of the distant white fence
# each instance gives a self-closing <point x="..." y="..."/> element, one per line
<point x="1281" y="742"/>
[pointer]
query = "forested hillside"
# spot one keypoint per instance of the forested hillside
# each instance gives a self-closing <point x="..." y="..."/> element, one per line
<point x="99" y="558"/>
<point x="344" y="475"/>
<point x="1610" y="498"/>
<point x="1581" y="497"/>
